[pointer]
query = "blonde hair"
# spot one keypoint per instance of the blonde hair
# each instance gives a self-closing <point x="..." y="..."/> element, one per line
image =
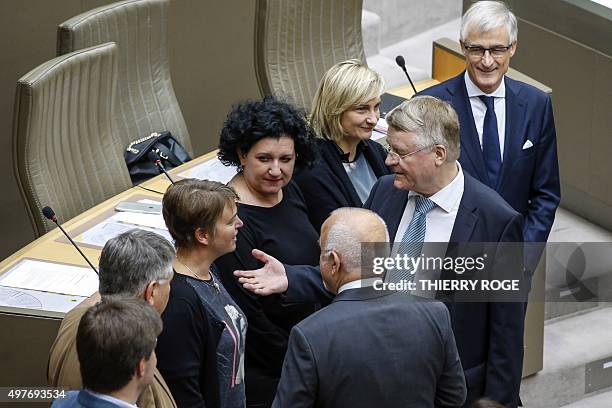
<point x="344" y="86"/>
<point x="431" y="120"/>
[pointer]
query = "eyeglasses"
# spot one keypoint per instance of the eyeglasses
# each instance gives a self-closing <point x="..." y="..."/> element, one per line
<point x="398" y="157"/>
<point x="477" y="52"/>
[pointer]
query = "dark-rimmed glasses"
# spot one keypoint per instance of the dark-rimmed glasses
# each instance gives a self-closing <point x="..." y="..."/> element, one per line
<point x="477" y="51"/>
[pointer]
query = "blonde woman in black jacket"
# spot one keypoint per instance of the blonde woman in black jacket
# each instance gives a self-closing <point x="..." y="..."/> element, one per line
<point x="344" y="112"/>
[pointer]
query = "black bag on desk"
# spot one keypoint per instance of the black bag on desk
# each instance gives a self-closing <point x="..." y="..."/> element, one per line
<point x="170" y="152"/>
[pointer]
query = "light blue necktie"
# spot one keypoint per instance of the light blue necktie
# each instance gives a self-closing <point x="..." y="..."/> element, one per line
<point x="412" y="241"/>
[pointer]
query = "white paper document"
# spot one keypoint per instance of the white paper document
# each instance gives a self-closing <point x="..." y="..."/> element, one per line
<point x="380" y="130"/>
<point x="149" y="201"/>
<point x="38" y="300"/>
<point x="381" y="126"/>
<point x="51" y="277"/>
<point x="211" y="169"/>
<point x="120" y="223"/>
<point x="606" y="3"/>
<point x="376" y="135"/>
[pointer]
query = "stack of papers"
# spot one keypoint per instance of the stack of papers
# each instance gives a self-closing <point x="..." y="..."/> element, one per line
<point x="122" y="222"/>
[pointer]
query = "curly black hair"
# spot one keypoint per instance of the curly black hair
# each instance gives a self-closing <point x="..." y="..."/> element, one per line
<point x="251" y="121"/>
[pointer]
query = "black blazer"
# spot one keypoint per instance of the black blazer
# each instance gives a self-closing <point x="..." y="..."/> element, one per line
<point x="489" y="335"/>
<point x="327" y="187"/>
<point x="373" y="349"/>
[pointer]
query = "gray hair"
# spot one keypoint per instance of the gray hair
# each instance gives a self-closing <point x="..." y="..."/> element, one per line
<point x="431" y="120"/>
<point x="132" y="260"/>
<point x="485" y="16"/>
<point x="346" y="241"/>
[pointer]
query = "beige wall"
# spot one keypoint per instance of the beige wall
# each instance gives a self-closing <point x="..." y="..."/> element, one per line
<point x="212" y="63"/>
<point x="582" y="83"/>
<point x="566" y="45"/>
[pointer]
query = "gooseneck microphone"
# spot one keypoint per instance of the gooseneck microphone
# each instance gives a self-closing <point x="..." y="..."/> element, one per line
<point x="154" y="157"/>
<point x="399" y="60"/>
<point x="50" y="215"/>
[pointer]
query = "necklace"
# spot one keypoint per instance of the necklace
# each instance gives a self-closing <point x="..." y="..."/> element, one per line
<point x="195" y="275"/>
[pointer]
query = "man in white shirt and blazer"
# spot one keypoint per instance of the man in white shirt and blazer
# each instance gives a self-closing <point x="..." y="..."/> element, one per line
<point x="368" y="348"/>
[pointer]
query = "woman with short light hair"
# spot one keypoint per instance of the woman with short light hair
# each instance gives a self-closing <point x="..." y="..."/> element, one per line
<point x="201" y="350"/>
<point x="344" y="112"/>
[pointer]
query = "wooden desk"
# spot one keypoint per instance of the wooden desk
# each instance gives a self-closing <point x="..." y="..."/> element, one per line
<point x="406" y="90"/>
<point x="26" y="335"/>
<point x="48" y="248"/>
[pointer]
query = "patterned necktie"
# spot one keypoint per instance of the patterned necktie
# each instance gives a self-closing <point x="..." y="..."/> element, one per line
<point x="412" y="241"/>
<point x="490" y="142"/>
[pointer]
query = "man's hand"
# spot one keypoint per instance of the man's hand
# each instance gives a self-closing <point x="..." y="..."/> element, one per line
<point x="268" y="280"/>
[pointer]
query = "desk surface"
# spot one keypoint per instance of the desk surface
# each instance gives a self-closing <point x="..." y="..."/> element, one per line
<point x="406" y="90"/>
<point x="49" y="248"/>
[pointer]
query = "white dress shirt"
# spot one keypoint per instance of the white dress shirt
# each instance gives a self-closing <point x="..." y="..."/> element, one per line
<point x="116" y="401"/>
<point x="479" y="109"/>
<point x="441" y="219"/>
<point x="359" y="283"/>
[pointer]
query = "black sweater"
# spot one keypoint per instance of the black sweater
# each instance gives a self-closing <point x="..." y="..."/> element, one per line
<point x="285" y="232"/>
<point x="200" y="349"/>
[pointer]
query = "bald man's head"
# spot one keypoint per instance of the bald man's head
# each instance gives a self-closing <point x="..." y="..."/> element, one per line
<point x="342" y="254"/>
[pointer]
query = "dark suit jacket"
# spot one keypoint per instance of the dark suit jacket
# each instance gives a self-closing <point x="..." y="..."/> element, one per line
<point x="64" y="370"/>
<point x="327" y="187"/>
<point x="82" y="399"/>
<point x="373" y="349"/>
<point x="489" y="336"/>
<point x="529" y="178"/>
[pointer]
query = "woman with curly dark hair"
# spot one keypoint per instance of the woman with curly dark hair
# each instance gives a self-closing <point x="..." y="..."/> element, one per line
<point x="267" y="139"/>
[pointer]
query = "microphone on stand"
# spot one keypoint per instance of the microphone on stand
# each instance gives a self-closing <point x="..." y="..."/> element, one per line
<point x="399" y="60"/>
<point x="50" y="215"/>
<point x="154" y="157"/>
